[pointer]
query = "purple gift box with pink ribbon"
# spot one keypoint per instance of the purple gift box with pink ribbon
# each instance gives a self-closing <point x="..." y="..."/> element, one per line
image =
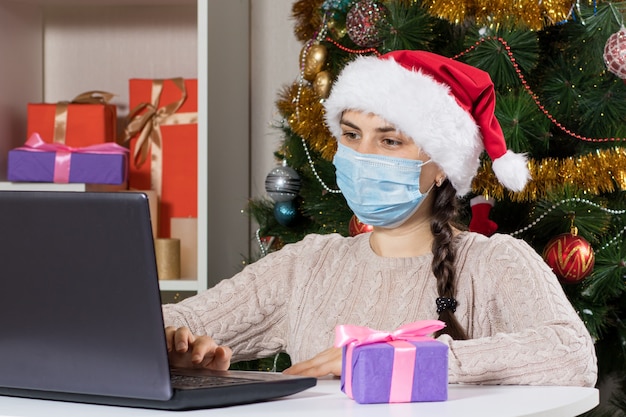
<point x="406" y="365"/>
<point x="39" y="161"/>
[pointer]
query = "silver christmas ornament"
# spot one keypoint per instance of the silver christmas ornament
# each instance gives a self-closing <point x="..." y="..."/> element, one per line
<point x="282" y="183"/>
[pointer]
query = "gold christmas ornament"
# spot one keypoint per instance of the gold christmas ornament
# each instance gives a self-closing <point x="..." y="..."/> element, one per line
<point x="336" y="28"/>
<point x="314" y="59"/>
<point x="322" y="83"/>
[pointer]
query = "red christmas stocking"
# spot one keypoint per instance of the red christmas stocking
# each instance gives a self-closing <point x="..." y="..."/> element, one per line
<point x="480" y="223"/>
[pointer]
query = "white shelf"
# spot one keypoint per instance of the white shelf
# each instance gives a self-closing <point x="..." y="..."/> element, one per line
<point x="178" y="285"/>
<point x="40" y="186"/>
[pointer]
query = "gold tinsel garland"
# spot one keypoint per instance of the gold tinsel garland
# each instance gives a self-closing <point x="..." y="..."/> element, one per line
<point x="603" y="171"/>
<point x="310" y="125"/>
<point x="533" y="14"/>
<point x="308" y="18"/>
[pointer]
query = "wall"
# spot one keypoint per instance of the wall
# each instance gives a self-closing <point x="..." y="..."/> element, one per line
<point x="228" y="87"/>
<point x="17" y="41"/>
<point x="274" y="64"/>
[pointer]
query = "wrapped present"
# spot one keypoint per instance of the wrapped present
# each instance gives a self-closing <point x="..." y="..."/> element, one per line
<point x="38" y="161"/>
<point x="163" y="135"/>
<point x="86" y="120"/>
<point x="402" y="366"/>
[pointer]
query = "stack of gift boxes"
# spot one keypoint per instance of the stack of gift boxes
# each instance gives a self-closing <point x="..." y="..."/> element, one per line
<point x="77" y="142"/>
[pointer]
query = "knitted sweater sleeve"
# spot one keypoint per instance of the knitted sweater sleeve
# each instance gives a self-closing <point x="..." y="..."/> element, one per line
<point x="522" y="327"/>
<point x="246" y="312"/>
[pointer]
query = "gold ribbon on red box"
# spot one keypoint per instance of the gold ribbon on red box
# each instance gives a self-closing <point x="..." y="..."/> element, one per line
<point x="60" y="114"/>
<point x="146" y="119"/>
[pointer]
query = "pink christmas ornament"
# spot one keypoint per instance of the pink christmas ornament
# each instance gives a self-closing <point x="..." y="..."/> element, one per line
<point x="615" y="53"/>
<point x="363" y="22"/>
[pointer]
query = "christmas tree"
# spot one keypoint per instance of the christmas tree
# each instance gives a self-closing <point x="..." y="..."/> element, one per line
<point x="559" y="68"/>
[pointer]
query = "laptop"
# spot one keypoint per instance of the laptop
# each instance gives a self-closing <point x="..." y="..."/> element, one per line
<point x="80" y="309"/>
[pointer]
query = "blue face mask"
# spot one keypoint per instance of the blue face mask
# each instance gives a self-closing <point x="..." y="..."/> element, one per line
<point x="381" y="190"/>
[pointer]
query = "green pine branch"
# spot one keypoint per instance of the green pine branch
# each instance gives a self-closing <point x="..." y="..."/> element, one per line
<point x="526" y="129"/>
<point x="492" y="56"/>
<point x="407" y="27"/>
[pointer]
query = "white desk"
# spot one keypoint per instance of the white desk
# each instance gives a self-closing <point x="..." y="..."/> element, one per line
<point x="326" y="400"/>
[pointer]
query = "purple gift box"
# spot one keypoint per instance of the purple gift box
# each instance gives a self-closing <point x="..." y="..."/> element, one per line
<point x="405" y="365"/>
<point x="42" y="162"/>
<point x="90" y="168"/>
<point x="383" y="373"/>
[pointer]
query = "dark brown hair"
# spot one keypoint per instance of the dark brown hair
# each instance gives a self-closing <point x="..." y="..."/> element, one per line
<point x="445" y="209"/>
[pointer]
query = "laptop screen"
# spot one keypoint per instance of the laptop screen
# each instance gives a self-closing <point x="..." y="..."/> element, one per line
<point x="79" y="299"/>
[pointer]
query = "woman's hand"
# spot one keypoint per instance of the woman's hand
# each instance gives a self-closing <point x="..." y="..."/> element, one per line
<point x="186" y="350"/>
<point x="325" y="363"/>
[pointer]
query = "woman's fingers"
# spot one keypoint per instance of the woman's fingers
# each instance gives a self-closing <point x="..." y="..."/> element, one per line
<point x="322" y="364"/>
<point x="187" y="350"/>
<point x="218" y="359"/>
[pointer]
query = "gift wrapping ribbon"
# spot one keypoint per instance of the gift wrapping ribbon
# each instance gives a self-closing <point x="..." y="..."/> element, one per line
<point x="63" y="154"/>
<point x="146" y="120"/>
<point x="60" y="111"/>
<point x="404" y="354"/>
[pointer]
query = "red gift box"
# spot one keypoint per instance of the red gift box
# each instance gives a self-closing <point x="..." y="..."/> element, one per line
<point x="86" y="120"/>
<point x="163" y="134"/>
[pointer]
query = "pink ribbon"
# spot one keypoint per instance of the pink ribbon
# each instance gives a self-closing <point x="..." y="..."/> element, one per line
<point x="63" y="153"/>
<point x="404" y="353"/>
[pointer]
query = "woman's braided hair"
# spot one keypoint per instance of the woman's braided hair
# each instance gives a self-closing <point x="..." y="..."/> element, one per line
<point x="445" y="211"/>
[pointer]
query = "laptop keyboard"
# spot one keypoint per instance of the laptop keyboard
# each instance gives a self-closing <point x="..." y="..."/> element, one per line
<point x="204" y="381"/>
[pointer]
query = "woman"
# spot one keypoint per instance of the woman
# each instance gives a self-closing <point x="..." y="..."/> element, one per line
<point x="411" y="126"/>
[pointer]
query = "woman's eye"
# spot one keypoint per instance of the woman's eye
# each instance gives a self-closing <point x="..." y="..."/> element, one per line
<point x="391" y="142"/>
<point x="350" y="135"/>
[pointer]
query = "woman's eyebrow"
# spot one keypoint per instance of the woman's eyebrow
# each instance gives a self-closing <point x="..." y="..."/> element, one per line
<point x="382" y="129"/>
<point x="385" y="129"/>
<point x="349" y="124"/>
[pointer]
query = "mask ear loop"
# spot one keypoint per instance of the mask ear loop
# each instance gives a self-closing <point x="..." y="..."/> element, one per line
<point x="436" y="183"/>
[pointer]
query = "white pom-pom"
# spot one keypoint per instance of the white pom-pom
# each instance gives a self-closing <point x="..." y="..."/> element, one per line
<point x="512" y="170"/>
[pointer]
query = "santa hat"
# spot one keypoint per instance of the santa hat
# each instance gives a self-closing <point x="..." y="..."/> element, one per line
<point x="445" y="106"/>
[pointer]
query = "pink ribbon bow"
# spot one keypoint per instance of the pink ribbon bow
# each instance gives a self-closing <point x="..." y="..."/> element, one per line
<point x="404" y="359"/>
<point x="359" y="335"/>
<point x="64" y="153"/>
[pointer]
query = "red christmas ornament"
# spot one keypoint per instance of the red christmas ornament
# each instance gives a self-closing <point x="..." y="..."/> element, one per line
<point x="363" y="22"/>
<point x="570" y="256"/>
<point x="615" y="53"/>
<point x="356" y="227"/>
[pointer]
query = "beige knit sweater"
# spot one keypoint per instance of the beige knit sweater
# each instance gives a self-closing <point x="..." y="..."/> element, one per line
<point x="522" y="328"/>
